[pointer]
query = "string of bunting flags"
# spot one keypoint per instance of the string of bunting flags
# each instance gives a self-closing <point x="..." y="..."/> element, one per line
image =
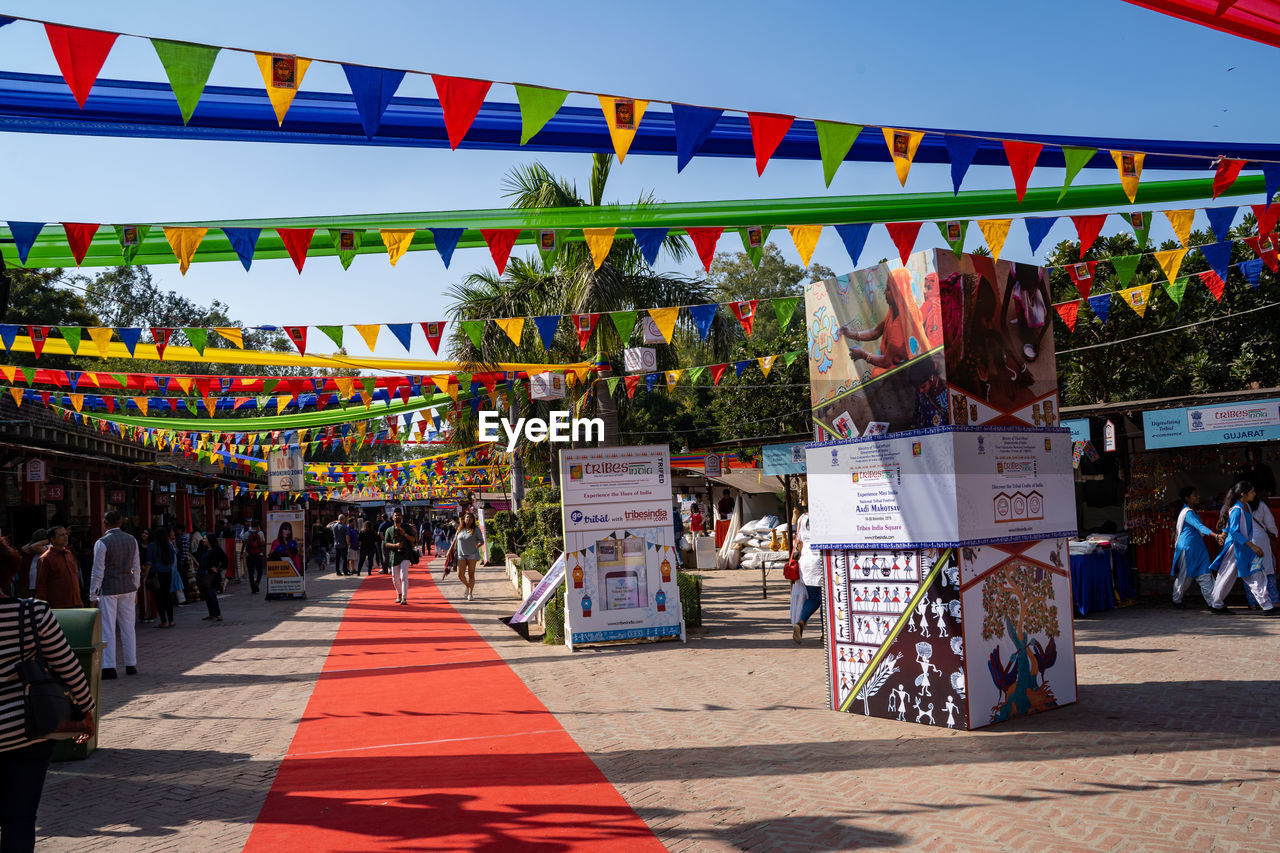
<point x="80" y="54"/>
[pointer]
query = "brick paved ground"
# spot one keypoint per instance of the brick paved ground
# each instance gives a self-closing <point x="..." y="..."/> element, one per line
<point x="722" y="744"/>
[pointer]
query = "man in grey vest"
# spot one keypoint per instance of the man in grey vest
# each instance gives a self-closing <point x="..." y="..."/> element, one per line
<point x="113" y="586"/>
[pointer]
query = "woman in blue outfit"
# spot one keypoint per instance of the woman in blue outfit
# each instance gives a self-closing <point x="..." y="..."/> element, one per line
<point x="1190" y="556"/>
<point x="1239" y="552"/>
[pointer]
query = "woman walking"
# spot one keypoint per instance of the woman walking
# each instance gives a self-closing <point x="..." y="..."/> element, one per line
<point x="400" y="540"/>
<point x="24" y="762"/>
<point x="810" y="577"/>
<point x="468" y="544"/>
<point x="161" y="565"/>
<point x="212" y="562"/>
<point x="368" y="548"/>
<point x="1237" y="558"/>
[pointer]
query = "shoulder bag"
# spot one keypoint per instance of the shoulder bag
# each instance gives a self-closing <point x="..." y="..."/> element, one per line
<point x="50" y="712"/>
<point x="791" y="571"/>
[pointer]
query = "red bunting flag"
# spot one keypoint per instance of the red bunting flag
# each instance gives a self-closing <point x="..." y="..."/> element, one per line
<point x="297" y="241"/>
<point x="1264" y="246"/>
<point x="767" y="131"/>
<point x="161" y="337"/>
<point x="1087" y="229"/>
<point x="79" y="236"/>
<point x="297" y="334"/>
<point x="460" y="100"/>
<point x="630" y="383"/>
<point x="39" y="334"/>
<point x="1225" y="174"/>
<point x="904" y="237"/>
<point x="1082" y="276"/>
<point x="584" y="325"/>
<point x="746" y="314"/>
<point x="717" y="371"/>
<point x="434" y="330"/>
<point x="1267" y="216"/>
<point x="1069" y="313"/>
<point x="1214" y="282"/>
<point x="500" y="241"/>
<point x="110" y="403"/>
<point x="80" y="54"/>
<point x="1022" y="158"/>
<point x="704" y="240"/>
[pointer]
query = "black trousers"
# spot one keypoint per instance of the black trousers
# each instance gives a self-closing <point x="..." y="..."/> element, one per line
<point x="22" y="773"/>
<point x="164" y="597"/>
<point x="210" y="596"/>
<point x="257" y="565"/>
<point x="340" y="558"/>
<point x="368" y="555"/>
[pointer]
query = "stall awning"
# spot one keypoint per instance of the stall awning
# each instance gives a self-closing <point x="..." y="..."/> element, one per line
<point x="751" y="482"/>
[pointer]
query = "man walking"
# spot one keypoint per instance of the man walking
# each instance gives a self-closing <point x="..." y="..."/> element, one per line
<point x="385" y="560"/>
<point x="113" y="586"/>
<point x="58" y="573"/>
<point x="254" y="557"/>
<point x="340" y="540"/>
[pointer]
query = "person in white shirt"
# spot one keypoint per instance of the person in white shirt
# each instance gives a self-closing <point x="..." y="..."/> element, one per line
<point x="1264" y="536"/>
<point x="113" y="586"/>
<point x="810" y="575"/>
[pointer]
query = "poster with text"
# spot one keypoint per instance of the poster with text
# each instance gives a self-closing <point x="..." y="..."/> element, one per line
<point x="286" y="554"/>
<point x="1014" y="484"/>
<point x="619" y="534"/>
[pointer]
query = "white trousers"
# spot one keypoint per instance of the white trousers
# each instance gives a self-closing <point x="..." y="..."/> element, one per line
<point x="400" y="578"/>
<point x="1257" y="583"/>
<point x="118" y="613"/>
<point x="1181" y="583"/>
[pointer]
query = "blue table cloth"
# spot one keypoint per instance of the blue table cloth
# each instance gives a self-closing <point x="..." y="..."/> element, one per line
<point x="1091" y="582"/>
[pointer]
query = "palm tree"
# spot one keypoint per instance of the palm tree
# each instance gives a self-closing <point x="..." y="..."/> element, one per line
<point x="570" y="284"/>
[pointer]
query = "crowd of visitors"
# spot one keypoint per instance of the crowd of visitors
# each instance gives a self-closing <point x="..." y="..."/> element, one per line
<point x="1246" y="534"/>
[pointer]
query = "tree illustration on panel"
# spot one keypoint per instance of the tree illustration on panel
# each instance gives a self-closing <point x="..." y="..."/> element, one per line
<point x="1016" y="600"/>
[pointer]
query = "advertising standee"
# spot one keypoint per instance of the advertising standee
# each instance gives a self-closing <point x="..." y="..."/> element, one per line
<point x="286" y="556"/>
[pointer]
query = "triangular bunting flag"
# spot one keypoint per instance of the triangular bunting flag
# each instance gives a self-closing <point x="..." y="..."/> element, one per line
<point x="704" y="240"/>
<point x="1087" y="229"/>
<point x="1180" y="221"/>
<point x="1252" y="270"/>
<point x="79" y="236"/>
<point x="740" y="367"/>
<point x="372" y="89"/>
<point x="854" y="238"/>
<point x="665" y="320"/>
<point x="446" y="240"/>
<point x="39" y="334"/>
<point x="766" y="364"/>
<point x="784" y="308"/>
<point x="401" y="332"/>
<point x="1217" y="256"/>
<point x="512" y="326"/>
<point x="369" y="332"/>
<point x="1129" y="165"/>
<point x="397" y="241"/>
<point x="904" y="236"/>
<point x="1069" y="312"/>
<point x="717" y="371"/>
<point x="584" y="325"/>
<point x="953" y="232"/>
<point x="1140" y="221"/>
<point x="298" y="334"/>
<point x="753" y="238"/>
<point x="703" y="316"/>
<point x="80" y="54"/>
<point x="692" y="126"/>
<point x="474" y="330"/>
<point x="130" y="338"/>
<point x="1220" y="219"/>
<point x="187" y="66"/>
<point x="244" y="241"/>
<point x="1022" y="158"/>
<point x="1267" y="215"/>
<point x="184" y="242"/>
<point x="623" y="116"/>
<point x="746" y="313"/>
<point x="500" y="241"/>
<point x="234" y="334"/>
<point x="1225" y="174"/>
<point x="548" y="247"/>
<point x="834" y="143"/>
<point x="624" y="322"/>
<point x="1101" y="305"/>
<point x="1137" y="298"/>
<point x="599" y="241"/>
<point x="101" y="338"/>
<point x="1265" y="248"/>
<point x="1270" y="181"/>
<point x="16" y="393"/>
<point x="537" y="107"/>
<point x="1037" y="229"/>
<point x="650" y="380"/>
<point x="902" y="149"/>
<point x="196" y="337"/>
<point x="995" y="232"/>
<point x="767" y="132"/>
<point x="1075" y="159"/>
<point x="695" y="374"/>
<point x="960" y="150"/>
<point x="1176" y="289"/>
<point x="1212" y="281"/>
<point x="334" y="333"/>
<point x="649" y="241"/>
<point x="630" y="383"/>
<point x="1170" y="262"/>
<point x="672" y="376"/>
<point x="1082" y="276"/>
<point x="460" y="101"/>
<point x="131" y="237"/>
<point x="24" y="237"/>
<point x="1125" y="266"/>
<point x="346" y="242"/>
<point x="297" y="242"/>
<point x="282" y="75"/>
<point x="805" y="238"/>
<point x="546" y="327"/>
<point x="71" y="334"/>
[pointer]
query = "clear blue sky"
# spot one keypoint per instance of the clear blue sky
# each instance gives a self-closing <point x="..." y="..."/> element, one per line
<point x="1091" y="67"/>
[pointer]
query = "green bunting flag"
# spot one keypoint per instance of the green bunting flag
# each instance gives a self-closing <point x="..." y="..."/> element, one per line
<point x="367" y="383"/>
<point x="834" y="142"/>
<point x="753" y="240"/>
<point x="1176" y="290"/>
<point x="695" y="373"/>
<point x="71" y="334"/>
<point x="474" y="330"/>
<point x="197" y="338"/>
<point x="1140" y="220"/>
<point x="789" y="357"/>
<point x="784" y="308"/>
<point x="612" y="382"/>
<point x="29" y="374"/>
<point x="1125" y="266"/>
<point x="268" y="385"/>
<point x="625" y="323"/>
<point x="537" y="106"/>
<point x="187" y="66"/>
<point x="1075" y="159"/>
<point x="953" y="231"/>
<point x="334" y="333"/>
<point x="131" y="237"/>
<point x="346" y="242"/>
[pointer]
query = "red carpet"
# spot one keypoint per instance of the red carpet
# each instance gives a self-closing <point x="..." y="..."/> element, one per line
<point x="419" y="737"/>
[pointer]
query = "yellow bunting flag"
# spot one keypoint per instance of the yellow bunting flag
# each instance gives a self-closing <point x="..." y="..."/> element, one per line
<point x="513" y="326"/>
<point x="806" y="239"/>
<point x="282" y="74"/>
<point x="1137" y="298"/>
<point x="101" y="338"/>
<point x="184" y="242"/>
<point x="766" y="364"/>
<point x="16" y="393"/>
<point x="10" y="374"/>
<point x="233" y="334"/>
<point x="622" y="115"/>
<point x="344" y="384"/>
<point x="397" y="241"/>
<point x="211" y="405"/>
<point x="1181" y="222"/>
<point x="1129" y="164"/>
<point x="142" y="403"/>
<point x="369" y="331"/>
<point x="1170" y="261"/>
<point x="77" y="401"/>
<point x="673" y="376"/>
<point x="442" y="382"/>
<point x="92" y="379"/>
<point x="994" y="231"/>
<point x="599" y="241"/>
<point x="902" y="146"/>
<point x="281" y="401"/>
<point x="453" y="388"/>
<point x="665" y="320"/>
<point x="184" y="382"/>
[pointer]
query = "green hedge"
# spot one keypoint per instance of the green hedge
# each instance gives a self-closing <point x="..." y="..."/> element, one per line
<point x="553" y="617"/>
<point x="690" y="599"/>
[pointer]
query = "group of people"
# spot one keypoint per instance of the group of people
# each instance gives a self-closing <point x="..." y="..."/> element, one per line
<point x="1246" y="532"/>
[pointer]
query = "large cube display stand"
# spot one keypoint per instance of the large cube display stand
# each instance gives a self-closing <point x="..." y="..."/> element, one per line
<point x="947" y="588"/>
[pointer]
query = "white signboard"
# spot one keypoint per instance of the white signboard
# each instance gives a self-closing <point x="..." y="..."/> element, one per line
<point x="1236" y="416"/>
<point x="35" y="471"/>
<point x="285" y="470"/>
<point x="639" y="360"/>
<point x="619" y="534"/>
<point x="937" y="488"/>
<point x="286" y="554"/>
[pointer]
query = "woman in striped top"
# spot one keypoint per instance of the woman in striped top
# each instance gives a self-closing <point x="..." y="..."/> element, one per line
<point x="24" y="762"/>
